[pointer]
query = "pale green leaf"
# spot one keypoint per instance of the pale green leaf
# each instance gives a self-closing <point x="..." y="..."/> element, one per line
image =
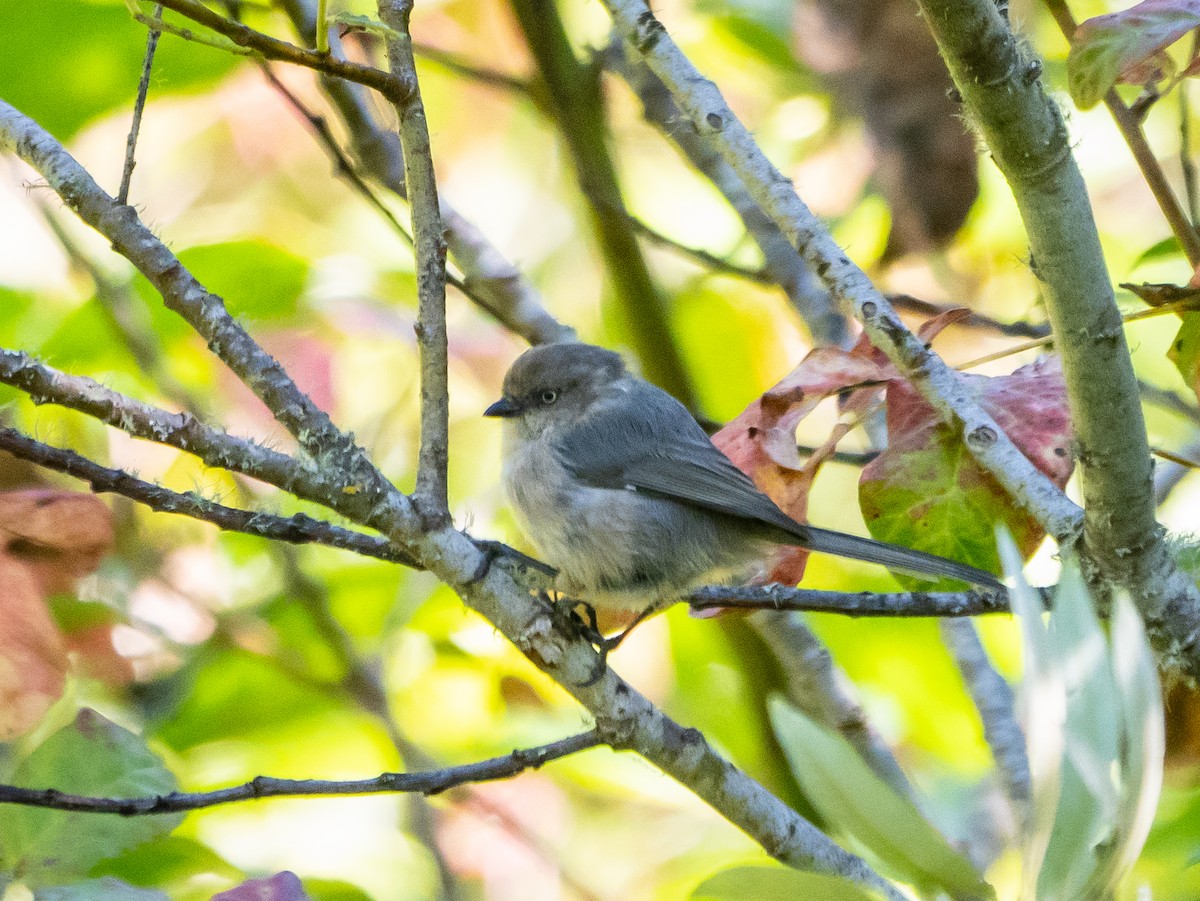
<point x="851" y="797"/>
<point x="778" y="884"/>
<point x="92" y="756"/>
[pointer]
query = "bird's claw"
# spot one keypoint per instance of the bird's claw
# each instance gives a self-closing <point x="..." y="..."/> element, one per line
<point x="496" y="550"/>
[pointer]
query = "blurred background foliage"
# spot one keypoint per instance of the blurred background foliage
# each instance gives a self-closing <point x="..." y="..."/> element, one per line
<point x="235" y="672"/>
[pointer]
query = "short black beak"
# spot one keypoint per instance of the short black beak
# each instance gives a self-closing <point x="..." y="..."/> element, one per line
<point x="503" y="409"/>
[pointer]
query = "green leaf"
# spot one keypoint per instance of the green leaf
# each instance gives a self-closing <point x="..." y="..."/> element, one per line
<point x="927" y="491"/>
<point x="167" y="861"/>
<point x="1185" y="351"/>
<point x="231" y="694"/>
<point x="1094" y="731"/>
<point x="92" y="756"/>
<point x="778" y="884"/>
<point x="1043" y="700"/>
<point x="67" y="62"/>
<point x="1143" y="740"/>
<point x="257" y="280"/>
<point x="853" y="798"/>
<point x="1120" y="46"/>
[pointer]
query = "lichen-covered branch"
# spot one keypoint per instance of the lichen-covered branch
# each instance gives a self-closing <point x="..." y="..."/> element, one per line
<point x="705" y="109"/>
<point x="974" y="602"/>
<point x="430" y="248"/>
<point x="1028" y="139"/>
<point x="296" y="529"/>
<point x="624" y="718"/>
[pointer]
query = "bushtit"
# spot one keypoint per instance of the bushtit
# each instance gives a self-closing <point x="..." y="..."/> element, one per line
<point x="623" y="492"/>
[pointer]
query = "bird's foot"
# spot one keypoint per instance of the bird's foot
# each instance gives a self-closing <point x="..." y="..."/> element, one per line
<point x="588" y="628"/>
<point x="496" y="550"/>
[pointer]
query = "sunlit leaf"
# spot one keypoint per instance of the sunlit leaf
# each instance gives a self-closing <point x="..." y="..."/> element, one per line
<point x="92" y="756"/>
<point x="1043" y="705"/>
<point x="1116" y="47"/>
<point x="1185" y="351"/>
<point x="856" y="801"/>
<point x="778" y="884"/>
<point x="1087" y="799"/>
<point x="926" y="490"/>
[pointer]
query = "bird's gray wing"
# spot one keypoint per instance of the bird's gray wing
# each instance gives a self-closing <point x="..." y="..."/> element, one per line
<point x="649" y="442"/>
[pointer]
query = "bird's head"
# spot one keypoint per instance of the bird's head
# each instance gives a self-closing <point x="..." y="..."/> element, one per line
<point x="555" y="384"/>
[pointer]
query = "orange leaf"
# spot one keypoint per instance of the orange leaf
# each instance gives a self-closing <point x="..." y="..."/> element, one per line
<point x="60" y="535"/>
<point x="33" y="660"/>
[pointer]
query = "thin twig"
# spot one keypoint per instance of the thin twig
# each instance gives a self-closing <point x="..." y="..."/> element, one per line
<point x="430" y="783"/>
<point x="430" y="247"/>
<point x="1177" y="306"/>
<point x="281" y="51"/>
<point x="463" y="66"/>
<point x="1017" y="329"/>
<point x="862" y="603"/>
<point x="139" y="105"/>
<point x="1186" y="164"/>
<point x="1131" y="130"/>
<point x="993" y="698"/>
<point x="296" y="529"/>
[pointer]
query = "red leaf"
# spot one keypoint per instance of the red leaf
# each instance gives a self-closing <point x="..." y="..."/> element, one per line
<point x="1126" y="46"/>
<point x="33" y="660"/>
<point x="60" y="535"/>
<point x="926" y="490"/>
<point x="762" y="440"/>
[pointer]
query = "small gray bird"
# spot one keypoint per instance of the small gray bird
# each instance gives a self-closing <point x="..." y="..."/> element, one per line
<point x="623" y="492"/>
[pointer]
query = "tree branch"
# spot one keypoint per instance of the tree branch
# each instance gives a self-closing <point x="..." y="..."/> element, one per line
<point x="1030" y="144"/>
<point x="976" y="602"/>
<point x="428" y="783"/>
<point x="432" y="344"/>
<point x="296" y="529"/>
<point x="493" y="282"/>
<point x="993" y="699"/>
<point x="281" y="51"/>
<point x="704" y="108"/>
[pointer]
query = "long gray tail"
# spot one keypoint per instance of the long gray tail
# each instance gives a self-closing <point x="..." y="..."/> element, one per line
<point x="917" y="563"/>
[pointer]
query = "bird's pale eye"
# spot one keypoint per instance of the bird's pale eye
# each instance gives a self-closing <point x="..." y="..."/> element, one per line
<point x="549" y="396"/>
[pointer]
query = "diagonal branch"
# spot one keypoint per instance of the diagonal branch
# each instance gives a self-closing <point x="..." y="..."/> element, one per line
<point x="705" y="109"/>
<point x="1029" y="141"/>
<point x="296" y="529"/>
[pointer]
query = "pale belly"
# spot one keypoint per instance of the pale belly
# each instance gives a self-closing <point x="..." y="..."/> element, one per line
<point x="615" y="547"/>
